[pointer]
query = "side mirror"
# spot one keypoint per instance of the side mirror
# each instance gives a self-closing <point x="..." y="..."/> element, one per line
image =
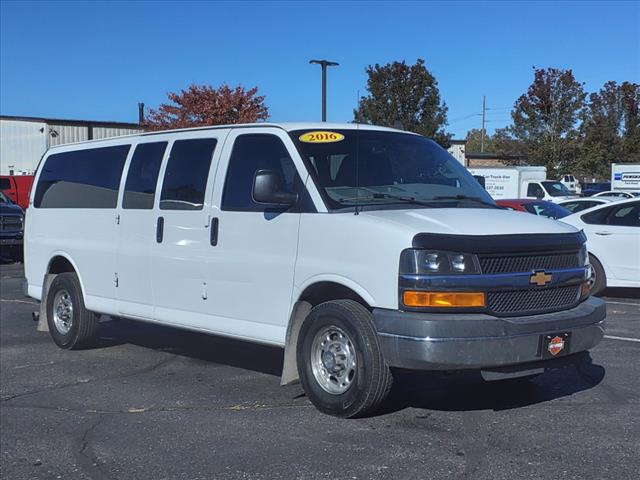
<point x="267" y="188"/>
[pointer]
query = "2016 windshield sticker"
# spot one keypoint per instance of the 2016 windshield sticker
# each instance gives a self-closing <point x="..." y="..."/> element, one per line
<point x="321" y="137"/>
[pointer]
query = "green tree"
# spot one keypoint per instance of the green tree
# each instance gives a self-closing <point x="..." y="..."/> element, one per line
<point x="610" y="129"/>
<point x="474" y="141"/>
<point x="407" y="95"/>
<point x="545" y="119"/>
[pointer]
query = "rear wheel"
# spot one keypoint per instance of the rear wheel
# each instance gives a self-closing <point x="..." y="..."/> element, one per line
<point x="598" y="277"/>
<point x="340" y="363"/>
<point x="71" y="325"/>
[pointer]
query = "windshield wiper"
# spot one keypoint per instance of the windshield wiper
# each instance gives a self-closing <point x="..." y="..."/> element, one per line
<point x="375" y="195"/>
<point x="465" y="197"/>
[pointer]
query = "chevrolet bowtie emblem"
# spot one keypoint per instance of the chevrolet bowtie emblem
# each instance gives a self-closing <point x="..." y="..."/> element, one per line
<point x="540" y="278"/>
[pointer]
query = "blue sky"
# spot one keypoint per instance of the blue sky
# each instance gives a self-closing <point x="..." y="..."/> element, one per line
<point x="98" y="60"/>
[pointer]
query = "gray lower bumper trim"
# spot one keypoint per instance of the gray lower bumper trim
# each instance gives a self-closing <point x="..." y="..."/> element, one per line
<point x="451" y="342"/>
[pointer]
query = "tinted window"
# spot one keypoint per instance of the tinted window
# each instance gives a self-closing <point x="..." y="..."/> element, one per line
<point x="251" y="153"/>
<point x="185" y="179"/>
<point x="5" y="184"/>
<point x="140" y="189"/>
<point x="579" y="206"/>
<point x="598" y="217"/>
<point x="81" y="179"/>
<point x="627" y="215"/>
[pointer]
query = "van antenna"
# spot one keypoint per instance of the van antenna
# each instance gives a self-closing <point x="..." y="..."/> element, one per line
<point x="357" y="209"/>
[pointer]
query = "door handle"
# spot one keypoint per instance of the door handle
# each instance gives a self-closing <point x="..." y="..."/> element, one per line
<point x="603" y="233"/>
<point x="213" y="238"/>
<point x="160" y="229"/>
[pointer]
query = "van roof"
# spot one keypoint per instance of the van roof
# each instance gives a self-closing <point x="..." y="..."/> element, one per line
<point x="288" y="127"/>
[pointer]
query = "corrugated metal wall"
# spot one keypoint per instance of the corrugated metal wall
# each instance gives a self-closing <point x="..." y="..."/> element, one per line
<point x="104" y="132"/>
<point x="61" y="134"/>
<point x="23" y="142"/>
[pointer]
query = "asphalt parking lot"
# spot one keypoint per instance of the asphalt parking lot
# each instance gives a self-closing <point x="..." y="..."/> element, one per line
<point x="155" y="403"/>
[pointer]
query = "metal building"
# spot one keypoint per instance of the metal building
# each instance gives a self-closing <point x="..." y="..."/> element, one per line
<point x="457" y="149"/>
<point x="23" y="140"/>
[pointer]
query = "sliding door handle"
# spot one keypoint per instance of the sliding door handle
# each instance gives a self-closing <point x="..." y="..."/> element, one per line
<point x="213" y="238"/>
<point x="160" y="229"/>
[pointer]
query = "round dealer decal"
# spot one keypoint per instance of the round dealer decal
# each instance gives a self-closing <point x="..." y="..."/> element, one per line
<point x="321" y="137"/>
<point x="555" y="345"/>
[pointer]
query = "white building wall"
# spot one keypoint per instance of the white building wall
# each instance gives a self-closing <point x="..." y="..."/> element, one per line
<point x="457" y="150"/>
<point x="22" y="144"/>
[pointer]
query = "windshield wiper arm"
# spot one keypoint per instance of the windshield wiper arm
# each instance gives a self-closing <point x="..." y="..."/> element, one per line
<point x="465" y="197"/>
<point x="402" y="198"/>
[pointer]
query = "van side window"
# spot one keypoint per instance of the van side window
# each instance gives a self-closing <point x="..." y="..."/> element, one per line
<point x="253" y="152"/>
<point x="140" y="189"/>
<point x="185" y="179"/>
<point x="87" y="178"/>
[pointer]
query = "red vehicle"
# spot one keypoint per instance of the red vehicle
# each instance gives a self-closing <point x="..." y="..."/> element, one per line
<point x="17" y="188"/>
<point x="537" y="207"/>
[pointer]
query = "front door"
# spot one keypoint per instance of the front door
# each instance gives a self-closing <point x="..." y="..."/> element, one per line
<point x="250" y="270"/>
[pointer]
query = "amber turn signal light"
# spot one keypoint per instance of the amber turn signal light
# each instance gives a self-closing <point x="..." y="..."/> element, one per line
<point x="585" y="289"/>
<point x="413" y="298"/>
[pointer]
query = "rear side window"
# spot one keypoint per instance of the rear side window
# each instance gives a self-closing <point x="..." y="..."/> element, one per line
<point x="253" y="152"/>
<point x="5" y="184"/>
<point x="185" y="178"/>
<point x="87" y="178"/>
<point x="627" y="215"/>
<point x="140" y="189"/>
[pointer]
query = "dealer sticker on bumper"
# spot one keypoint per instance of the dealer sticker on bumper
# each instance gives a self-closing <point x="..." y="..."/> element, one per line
<point x="555" y="345"/>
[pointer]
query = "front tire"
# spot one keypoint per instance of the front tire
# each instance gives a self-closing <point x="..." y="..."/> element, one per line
<point x="598" y="277"/>
<point x="71" y="325"/>
<point x="340" y="363"/>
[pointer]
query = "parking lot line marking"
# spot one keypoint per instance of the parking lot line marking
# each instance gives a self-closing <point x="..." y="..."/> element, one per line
<point x="624" y="303"/>
<point x="612" y="337"/>
<point x="18" y="301"/>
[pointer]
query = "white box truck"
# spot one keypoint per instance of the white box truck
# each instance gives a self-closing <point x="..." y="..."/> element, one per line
<point x="625" y="176"/>
<point x="521" y="182"/>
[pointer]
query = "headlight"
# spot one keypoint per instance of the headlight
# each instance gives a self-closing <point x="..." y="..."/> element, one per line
<point x="583" y="255"/>
<point x="436" y="262"/>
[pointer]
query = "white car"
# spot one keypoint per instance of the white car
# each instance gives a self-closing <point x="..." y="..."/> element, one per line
<point x="617" y="194"/>
<point x="613" y="241"/>
<point x="578" y="204"/>
<point x="355" y="248"/>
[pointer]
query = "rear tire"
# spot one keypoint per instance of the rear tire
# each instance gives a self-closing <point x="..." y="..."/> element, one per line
<point x="340" y="363"/>
<point x="598" y="277"/>
<point x="71" y="325"/>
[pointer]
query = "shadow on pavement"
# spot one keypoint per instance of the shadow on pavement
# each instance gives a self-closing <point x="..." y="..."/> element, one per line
<point x="466" y="391"/>
<point x="624" y="293"/>
<point x="208" y="348"/>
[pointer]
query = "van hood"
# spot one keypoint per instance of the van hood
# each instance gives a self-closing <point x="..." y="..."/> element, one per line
<point x="469" y="221"/>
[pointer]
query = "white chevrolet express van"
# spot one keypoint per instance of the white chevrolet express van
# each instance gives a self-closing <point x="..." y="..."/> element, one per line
<point x="356" y="248"/>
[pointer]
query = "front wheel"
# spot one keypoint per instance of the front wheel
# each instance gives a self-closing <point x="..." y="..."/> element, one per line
<point x="341" y="366"/>
<point x="598" y="277"/>
<point x="71" y="325"/>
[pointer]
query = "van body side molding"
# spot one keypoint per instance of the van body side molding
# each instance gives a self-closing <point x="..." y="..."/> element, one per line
<point x="532" y="242"/>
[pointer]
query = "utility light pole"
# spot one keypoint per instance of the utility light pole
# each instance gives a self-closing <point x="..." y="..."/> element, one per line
<point x="324" y="64"/>
<point x="484" y="98"/>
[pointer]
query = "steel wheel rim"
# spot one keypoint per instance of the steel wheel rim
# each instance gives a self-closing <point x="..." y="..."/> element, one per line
<point x="333" y="360"/>
<point x="63" y="312"/>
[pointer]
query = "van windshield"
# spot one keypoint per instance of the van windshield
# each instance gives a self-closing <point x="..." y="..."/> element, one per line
<point x="375" y="168"/>
<point x="556" y="189"/>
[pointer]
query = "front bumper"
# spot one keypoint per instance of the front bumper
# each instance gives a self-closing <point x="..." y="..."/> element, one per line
<point x="440" y="341"/>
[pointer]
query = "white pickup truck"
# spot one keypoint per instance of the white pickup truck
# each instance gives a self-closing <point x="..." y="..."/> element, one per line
<point x="522" y="182"/>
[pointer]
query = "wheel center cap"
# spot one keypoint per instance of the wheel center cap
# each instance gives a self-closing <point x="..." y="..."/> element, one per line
<point x="329" y="360"/>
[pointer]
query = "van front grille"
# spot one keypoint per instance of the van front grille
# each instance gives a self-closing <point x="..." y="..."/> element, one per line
<point x="528" y="263"/>
<point x="10" y="223"/>
<point x="532" y="300"/>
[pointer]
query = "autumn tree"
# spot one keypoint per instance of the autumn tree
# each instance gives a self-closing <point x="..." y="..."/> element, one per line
<point x="407" y="96"/>
<point x="202" y="105"/>
<point x="545" y="119"/>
